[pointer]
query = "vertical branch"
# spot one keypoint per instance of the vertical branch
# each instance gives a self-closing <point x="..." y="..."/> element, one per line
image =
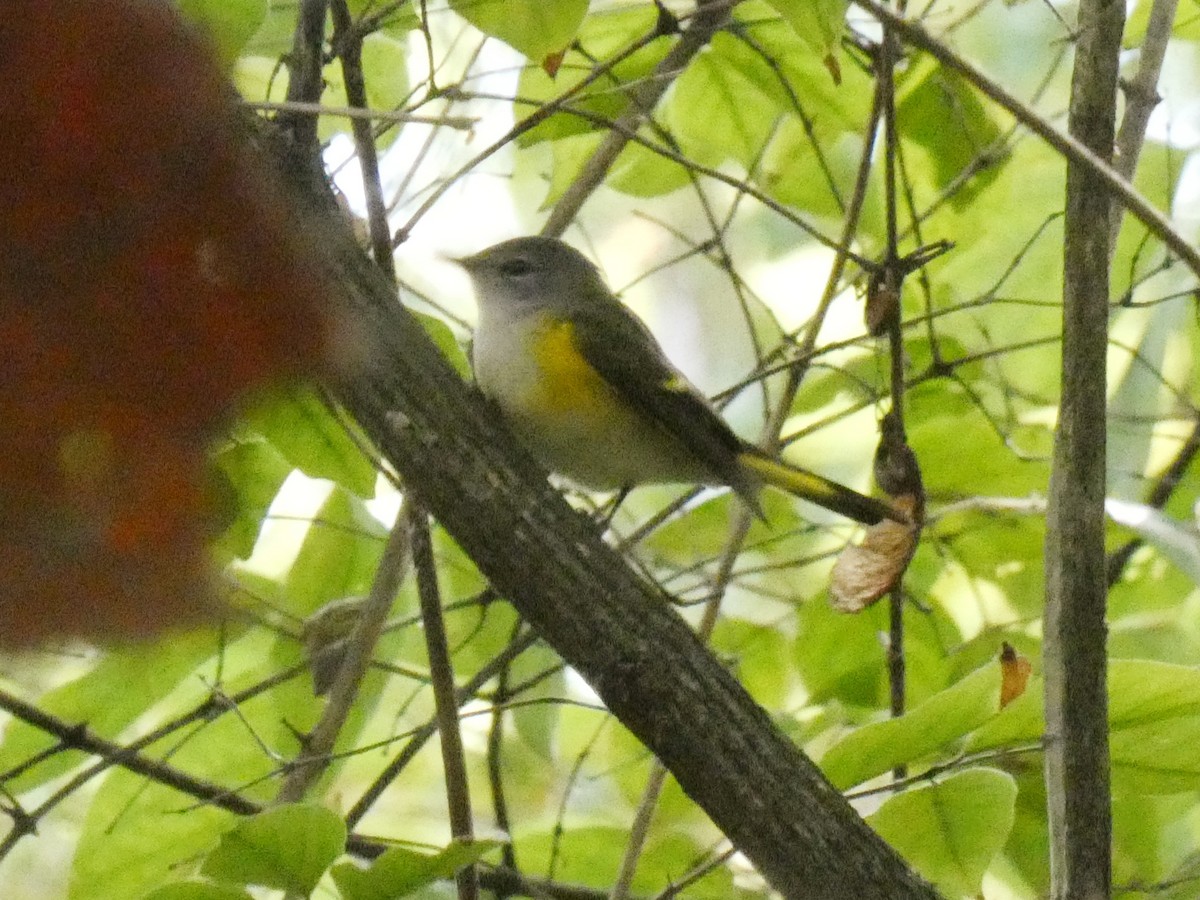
<point x="304" y="70"/>
<point x="1141" y="96"/>
<point x="348" y="45"/>
<point x="495" y="763"/>
<point x="1077" y="760"/>
<point x="885" y="65"/>
<point x="441" y="671"/>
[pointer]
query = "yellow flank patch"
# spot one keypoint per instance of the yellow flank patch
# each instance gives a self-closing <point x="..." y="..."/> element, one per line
<point x="569" y="383"/>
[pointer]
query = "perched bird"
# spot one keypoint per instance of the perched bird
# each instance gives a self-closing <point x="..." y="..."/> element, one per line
<point x="588" y="390"/>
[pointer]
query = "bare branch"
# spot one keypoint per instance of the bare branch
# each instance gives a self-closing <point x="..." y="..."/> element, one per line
<point x="1074" y="650"/>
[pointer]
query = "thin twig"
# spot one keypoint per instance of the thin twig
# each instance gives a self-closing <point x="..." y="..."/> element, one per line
<point x="79" y="737"/>
<point x="420" y="736"/>
<point x="889" y="53"/>
<point x="1141" y="96"/>
<point x="495" y="767"/>
<point x="349" y="48"/>
<point x="1075" y="151"/>
<point x="359" y="646"/>
<point x="462" y="123"/>
<point x="639" y="831"/>
<point x="710" y="16"/>
<point x="441" y="671"/>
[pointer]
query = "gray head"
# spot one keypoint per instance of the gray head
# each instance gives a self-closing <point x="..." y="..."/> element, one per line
<point x="533" y="273"/>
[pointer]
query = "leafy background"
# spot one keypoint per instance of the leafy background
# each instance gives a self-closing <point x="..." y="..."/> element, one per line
<point x="706" y="226"/>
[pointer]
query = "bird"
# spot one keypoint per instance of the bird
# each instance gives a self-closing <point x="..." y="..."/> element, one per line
<point x="587" y="389"/>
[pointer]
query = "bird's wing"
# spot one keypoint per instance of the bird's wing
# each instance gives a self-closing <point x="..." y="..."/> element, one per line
<point x="618" y="346"/>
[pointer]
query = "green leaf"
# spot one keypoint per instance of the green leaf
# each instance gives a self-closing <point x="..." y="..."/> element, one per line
<point x="229" y="23"/>
<point x="589" y="854"/>
<point x="784" y="63"/>
<point x="640" y="172"/>
<point x="300" y="425"/>
<point x="260" y="78"/>
<point x="337" y="557"/>
<point x="532" y="27"/>
<point x="121" y="855"/>
<point x="138" y="834"/>
<point x="1154" y="725"/>
<point x="637" y="171"/>
<point x="838" y="656"/>
<point x="288" y="848"/>
<point x="944" y="115"/>
<point x="400" y="18"/>
<point x="1186" y="27"/>
<point x="955" y="440"/>
<point x="119" y="688"/>
<point x="255" y="469"/>
<point x="1030" y="245"/>
<point x="385" y="70"/>
<point x="603" y="36"/>
<point x="537" y="723"/>
<point x="568" y="154"/>
<point x="819" y="23"/>
<point x="942" y="719"/>
<point x="385" y="73"/>
<point x="717" y="110"/>
<point x="441" y="335"/>
<point x="815" y="171"/>
<point x="195" y="889"/>
<point x="277" y="34"/>
<point x="951" y="830"/>
<point x="400" y="871"/>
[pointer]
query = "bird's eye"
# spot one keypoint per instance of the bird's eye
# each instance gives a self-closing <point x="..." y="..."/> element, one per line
<point x="515" y="268"/>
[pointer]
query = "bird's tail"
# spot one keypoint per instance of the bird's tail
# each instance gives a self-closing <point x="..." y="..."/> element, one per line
<point x="825" y="493"/>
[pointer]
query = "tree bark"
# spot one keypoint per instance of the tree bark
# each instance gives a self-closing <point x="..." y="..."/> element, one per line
<point x="1077" y="760"/>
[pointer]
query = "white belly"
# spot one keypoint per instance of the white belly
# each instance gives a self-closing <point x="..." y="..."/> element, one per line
<point x="585" y="434"/>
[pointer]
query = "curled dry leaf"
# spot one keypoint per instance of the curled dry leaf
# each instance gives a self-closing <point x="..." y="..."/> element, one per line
<point x="149" y="277"/>
<point x="1014" y="674"/>
<point x="553" y="62"/>
<point x="865" y="572"/>
<point x="883" y="304"/>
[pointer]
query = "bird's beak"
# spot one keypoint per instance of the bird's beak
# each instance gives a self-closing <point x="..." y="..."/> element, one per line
<point x="464" y="262"/>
